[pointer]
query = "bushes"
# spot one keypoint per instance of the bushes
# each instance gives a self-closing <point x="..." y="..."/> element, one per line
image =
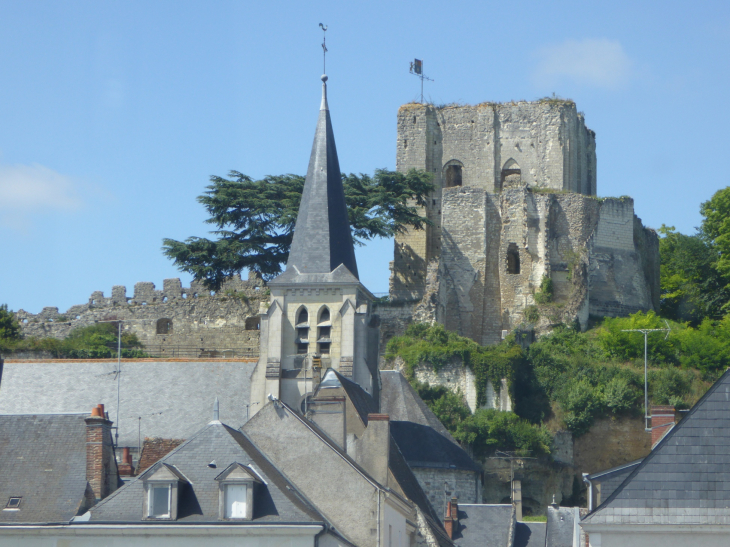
<point x="437" y="347"/>
<point x="488" y="430"/>
<point x="97" y="341"/>
<point x="9" y="327"/>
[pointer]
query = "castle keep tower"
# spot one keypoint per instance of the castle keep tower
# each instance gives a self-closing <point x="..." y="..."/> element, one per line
<point x="319" y="315"/>
<point x="515" y="203"/>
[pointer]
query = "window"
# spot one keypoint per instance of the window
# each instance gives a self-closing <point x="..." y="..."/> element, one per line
<point x="453" y="175"/>
<point x="13" y="503"/>
<point x="303" y="318"/>
<point x="253" y="323"/>
<point x="513" y="259"/>
<point x="324" y="317"/>
<point x="302" y="336"/>
<point x="164" y="326"/>
<point x="159" y="502"/>
<point x="236" y="501"/>
<point x="511" y="174"/>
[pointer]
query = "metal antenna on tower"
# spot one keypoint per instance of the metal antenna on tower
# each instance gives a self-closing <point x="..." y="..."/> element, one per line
<point x="646" y="332"/>
<point x="324" y="48"/>
<point x="417" y="70"/>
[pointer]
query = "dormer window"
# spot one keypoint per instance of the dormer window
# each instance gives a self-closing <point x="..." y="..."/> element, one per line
<point x="236" y="492"/>
<point x="13" y="503"/>
<point x="162" y="484"/>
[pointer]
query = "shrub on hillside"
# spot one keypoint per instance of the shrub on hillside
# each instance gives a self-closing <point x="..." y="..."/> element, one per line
<point x="488" y="430"/>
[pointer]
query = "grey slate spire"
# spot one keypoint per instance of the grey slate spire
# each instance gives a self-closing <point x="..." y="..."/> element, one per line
<point x="322" y="237"/>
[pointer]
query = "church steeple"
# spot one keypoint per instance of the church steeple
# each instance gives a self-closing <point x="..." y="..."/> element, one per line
<point x="322" y="237"/>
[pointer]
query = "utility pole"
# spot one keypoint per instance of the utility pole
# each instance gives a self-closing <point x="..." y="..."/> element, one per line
<point x="646" y="332"/>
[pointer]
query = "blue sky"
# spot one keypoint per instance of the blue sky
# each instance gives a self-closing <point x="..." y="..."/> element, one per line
<point x="114" y="114"/>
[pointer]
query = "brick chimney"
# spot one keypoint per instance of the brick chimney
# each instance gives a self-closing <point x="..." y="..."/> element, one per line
<point x="126" y="469"/>
<point x="374" y="447"/>
<point x="101" y="468"/>
<point x="451" y="520"/>
<point x="662" y="419"/>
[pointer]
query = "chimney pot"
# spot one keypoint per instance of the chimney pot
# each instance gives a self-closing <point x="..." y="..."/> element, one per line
<point x="95" y="412"/>
<point x="126" y="457"/>
<point x="101" y="410"/>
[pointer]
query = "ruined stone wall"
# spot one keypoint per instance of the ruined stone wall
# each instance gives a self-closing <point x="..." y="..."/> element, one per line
<point x="495" y="146"/>
<point x="497" y="248"/>
<point x="174" y="321"/>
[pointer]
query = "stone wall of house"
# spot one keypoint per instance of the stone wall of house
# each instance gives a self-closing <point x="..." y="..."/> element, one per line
<point x="175" y="321"/>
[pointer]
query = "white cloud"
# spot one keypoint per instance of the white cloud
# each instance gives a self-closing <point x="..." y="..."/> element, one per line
<point x="33" y="188"/>
<point x="593" y="62"/>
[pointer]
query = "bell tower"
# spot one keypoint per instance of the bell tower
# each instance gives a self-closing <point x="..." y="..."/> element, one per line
<point x="319" y="315"/>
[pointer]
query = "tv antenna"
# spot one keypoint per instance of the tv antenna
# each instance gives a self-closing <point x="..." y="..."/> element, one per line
<point x="646" y="332"/>
<point x="417" y="70"/>
<point x="324" y="48"/>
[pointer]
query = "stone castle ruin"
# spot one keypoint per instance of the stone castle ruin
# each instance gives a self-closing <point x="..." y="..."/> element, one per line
<point x="172" y="322"/>
<point x="515" y="203"/>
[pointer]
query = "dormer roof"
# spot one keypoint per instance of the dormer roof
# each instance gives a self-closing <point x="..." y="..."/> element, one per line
<point x="322" y="238"/>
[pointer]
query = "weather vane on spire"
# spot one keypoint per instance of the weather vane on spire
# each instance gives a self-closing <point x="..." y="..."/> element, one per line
<point x="324" y="48"/>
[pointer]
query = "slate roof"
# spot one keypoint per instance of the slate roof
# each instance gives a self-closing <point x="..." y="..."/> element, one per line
<point x="686" y="478"/>
<point x="43" y="460"/>
<point x="400" y="401"/>
<point x="275" y="501"/>
<point x="422" y="446"/>
<point x="610" y="479"/>
<point x="484" y="525"/>
<point x="174" y="399"/>
<point x="362" y="401"/>
<point x="530" y="534"/>
<point x="322" y="238"/>
<point x="561" y="526"/>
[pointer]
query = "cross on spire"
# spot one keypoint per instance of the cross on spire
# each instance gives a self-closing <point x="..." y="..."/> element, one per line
<point x="324" y="48"/>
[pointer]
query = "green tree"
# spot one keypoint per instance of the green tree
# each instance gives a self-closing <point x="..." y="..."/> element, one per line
<point x="9" y="327"/>
<point x="254" y="220"/>
<point x="716" y="228"/>
<point x="691" y="288"/>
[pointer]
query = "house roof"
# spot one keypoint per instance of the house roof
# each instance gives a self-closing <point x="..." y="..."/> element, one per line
<point x="423" y="446"/>
<point x="322" y="239"/>
<point x="42" y="460"/>
<point x="484" y="525"/>
<point x="150" y="390"/>
<point x="400" y="401"/>
<point x="277" y="500"/>
<point x="530" y="534"/>
<point x="561" y="526"/>
<point x="686" y="477"/>
<point x="154" y="449"/>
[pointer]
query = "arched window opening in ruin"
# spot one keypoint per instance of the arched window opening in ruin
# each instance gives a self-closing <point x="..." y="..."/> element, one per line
<point x="253" y="323"/>
<point x="511" y="174"/>
<point x="453" y="175"/>
<point x="164" y="326"/>
<point x="513" y="259"/>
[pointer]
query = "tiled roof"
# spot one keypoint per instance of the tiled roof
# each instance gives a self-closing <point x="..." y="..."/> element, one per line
<point x="275" y="501"/>
<point x="172" y="400"/>
<point x="154" y="449"/>
<point x="42" y="460"/>
<point x="686" y="478"/>
<point x="483" y="525"/>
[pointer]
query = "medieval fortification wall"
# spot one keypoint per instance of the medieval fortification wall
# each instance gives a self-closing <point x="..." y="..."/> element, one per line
<point x="515" y="202"/>
<point x="173" y="322"/>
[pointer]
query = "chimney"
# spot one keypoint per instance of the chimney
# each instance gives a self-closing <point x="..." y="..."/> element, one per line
<point x="451" y="520"/>
<point x="126" y="469"/>
<point x="329" y="414"/>
<point x="374" y="447"/>
<point x="662" y="420"/>
<point x="101" y="470"/>
<point x="517" y="498"/>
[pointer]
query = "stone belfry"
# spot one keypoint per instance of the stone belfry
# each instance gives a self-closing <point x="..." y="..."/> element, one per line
<point x="319" y="315"/>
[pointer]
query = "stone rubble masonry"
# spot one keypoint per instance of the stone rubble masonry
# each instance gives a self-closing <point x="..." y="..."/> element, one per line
<point x="528" y="187"/>
<point x="440" y="485"/>
<point x="203" y="322"/>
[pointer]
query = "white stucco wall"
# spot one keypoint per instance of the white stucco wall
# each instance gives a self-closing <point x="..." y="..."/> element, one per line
<point x="160" y="536"/>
